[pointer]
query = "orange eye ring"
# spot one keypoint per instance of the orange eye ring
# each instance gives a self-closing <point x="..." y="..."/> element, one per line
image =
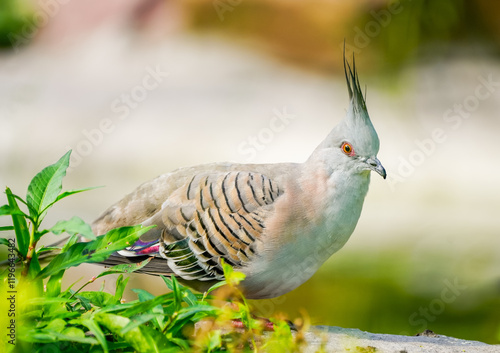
<point x="347" y="149"/>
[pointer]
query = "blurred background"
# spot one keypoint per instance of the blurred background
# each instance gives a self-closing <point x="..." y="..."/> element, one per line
<point x="140" y="88"/>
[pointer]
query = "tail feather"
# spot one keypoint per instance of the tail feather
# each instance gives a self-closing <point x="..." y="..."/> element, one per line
<point x="156" y="267"/>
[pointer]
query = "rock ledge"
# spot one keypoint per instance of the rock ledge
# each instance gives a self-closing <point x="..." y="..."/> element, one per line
<point x="337" y="339"/>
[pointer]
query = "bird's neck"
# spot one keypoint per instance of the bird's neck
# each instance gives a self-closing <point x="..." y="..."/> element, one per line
<point x="313" y="219"/>
<point x="340" y="194"/>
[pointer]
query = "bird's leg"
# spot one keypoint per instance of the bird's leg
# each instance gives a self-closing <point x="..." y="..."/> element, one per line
<point x="265" y="323"/>
<point x="238" y="324"/>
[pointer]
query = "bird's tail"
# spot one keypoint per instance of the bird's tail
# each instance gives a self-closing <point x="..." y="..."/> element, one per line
<point x="156" y="266"/>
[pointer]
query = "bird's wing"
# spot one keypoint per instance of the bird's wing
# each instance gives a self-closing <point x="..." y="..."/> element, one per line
<point x="213" y="215"/>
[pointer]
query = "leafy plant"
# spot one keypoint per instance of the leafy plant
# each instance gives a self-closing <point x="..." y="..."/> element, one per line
<point x="52" y="319"/>
<point x="17" y="23"/>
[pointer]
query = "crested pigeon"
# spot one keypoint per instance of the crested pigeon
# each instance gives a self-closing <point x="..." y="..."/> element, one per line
<point x="276" y="223"/>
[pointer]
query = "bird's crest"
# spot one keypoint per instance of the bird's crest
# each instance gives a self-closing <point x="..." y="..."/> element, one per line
<point x="357" y="125"/>
<point x="353" y="87"/>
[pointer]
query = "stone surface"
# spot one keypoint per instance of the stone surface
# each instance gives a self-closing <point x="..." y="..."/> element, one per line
<point x="337" y="339"/>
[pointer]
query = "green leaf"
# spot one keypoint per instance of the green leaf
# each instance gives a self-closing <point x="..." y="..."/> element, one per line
<point x="75" y="225"/>
<point x="97" y="332"/>
<point x="121" y="346"/>
<point x="38" y="234"/>
<point x="233" y="278"/>
<point x="143" y="307"/>
<point x="191" y="310"/>
<point x="31" y="210"/>
<point x="72" y="192"/>
<point x="70" y="242"/>
<point x="145" y="296"/>
<point x="176" y="291"/>
<point x="95" y="251"/>
<point x="189" y="297"/>
<point x="74" y="333"/>
<point x="54" y="284"/>
<point x="45" y="187"/>
<point x="215" y="286"/>
<point x="7" y="210"/>
<point x="57" y="325"/>
<point x="6" y="228"/>
<point x="100" y="299"/>
<point x="37" y="336"/>
<point x="44" y="300"/>
<point x="142" y="338"/>
<point x="85" y="303"/>
<point x="215" y="341"/>
<point x="120" y="287"/>
<point x="5" y="241"/>
<point x="138" y="321"/>
<point x="125" y="268"/>
<point x="44" y="336"/>
<point x="117" y="308"/>
<point x="20" y="226"/>
<point x="185" y="294"/>
<point x="44" y="249"/>
<point x="188" y="314"/>
<point x="68" y="290"/>
<point x="34" y="270"/>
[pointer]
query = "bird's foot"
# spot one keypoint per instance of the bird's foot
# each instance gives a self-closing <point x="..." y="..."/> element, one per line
<point x="265" y="324"/>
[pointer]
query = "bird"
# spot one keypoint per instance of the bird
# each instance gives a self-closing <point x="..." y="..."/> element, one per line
<point x="276" y="223"/>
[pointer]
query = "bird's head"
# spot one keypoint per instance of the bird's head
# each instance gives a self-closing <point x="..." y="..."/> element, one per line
<point x="354" y="141"/>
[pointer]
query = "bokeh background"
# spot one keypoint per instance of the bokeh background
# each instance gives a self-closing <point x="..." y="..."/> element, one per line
<point x="139" y="88"/>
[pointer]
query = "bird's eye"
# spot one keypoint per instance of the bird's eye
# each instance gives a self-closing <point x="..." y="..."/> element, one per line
<point x="347" y="149"/>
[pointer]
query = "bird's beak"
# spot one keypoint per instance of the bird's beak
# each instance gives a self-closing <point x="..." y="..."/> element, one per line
<point x="375" y="165"/>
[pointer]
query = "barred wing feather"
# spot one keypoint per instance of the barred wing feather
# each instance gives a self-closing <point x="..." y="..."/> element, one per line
<point x="212" y="216"/>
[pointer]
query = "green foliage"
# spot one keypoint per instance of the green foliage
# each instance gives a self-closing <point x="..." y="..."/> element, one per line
<point x="16" y="23"/>
<point x="54" y="319"/>
<point x="74" y="226"/>
<point x="94" y="251"/>
<point x="416" y="24"/>
<point x="45" y="187"/>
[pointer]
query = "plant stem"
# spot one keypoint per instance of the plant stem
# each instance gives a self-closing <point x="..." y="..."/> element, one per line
<point x="31" y="250"/>
<point x="83" y="286"/>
